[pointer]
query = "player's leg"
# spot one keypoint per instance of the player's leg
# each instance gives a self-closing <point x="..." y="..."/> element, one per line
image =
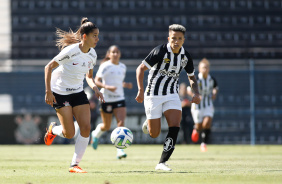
<point x="65" y="130"/>
<point x="82" y="115"/>
<point x="197" y="117"/>
<point x="153" y="110"/>
<point x="206" y="129"/>
<point x="173" y="113"/>
<point x="120" y="115"/>
<point x="101" y="128"/>
<point x="173" y="117"/>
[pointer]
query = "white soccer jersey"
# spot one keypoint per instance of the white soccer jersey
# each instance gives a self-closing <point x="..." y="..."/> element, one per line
<point x="73" y="65"/>
<point x="112" y="75"/>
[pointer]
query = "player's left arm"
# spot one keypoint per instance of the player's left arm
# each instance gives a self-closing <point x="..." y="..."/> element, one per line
<point x="215" y="89"/>
<point x="91" y="83"/>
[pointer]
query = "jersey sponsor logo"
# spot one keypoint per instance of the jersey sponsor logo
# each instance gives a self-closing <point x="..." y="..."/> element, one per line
<point x="89" y="64"/>
<point x="72" y="89"/>
<point x="168" y="144"/>
<point x="75" y="54"/>
<point x="166" y="60"/>
<point x="65" y="57"/>
<point x="83" y="64"/>
<point x="92" y="55"/>
<point x="172" y="73"/>
<point x="74" y="63"/>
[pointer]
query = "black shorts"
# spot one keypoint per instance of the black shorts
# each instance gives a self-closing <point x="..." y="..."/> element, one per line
<point x="70" y="100"/>
<point x="109" y="107"/>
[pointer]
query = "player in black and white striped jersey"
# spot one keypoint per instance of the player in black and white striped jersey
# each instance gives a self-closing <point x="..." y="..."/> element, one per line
<point x="161" y="95"/>
<point x="203" y="113"/>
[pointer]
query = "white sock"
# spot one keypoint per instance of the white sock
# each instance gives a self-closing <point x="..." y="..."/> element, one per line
<point x="98" y="132"/>
<point x="80" y="147"/>
<point x="58" y="130"/>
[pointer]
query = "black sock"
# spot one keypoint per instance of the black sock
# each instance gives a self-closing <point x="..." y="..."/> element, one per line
<point x="205" y="135"/>
<point x="169" y="143"/>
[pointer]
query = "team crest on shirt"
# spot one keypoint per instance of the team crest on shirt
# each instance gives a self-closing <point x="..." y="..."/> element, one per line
<point x="166" y="60"/>
<point x="184" y="62"/>
<point x="89" y="64"/>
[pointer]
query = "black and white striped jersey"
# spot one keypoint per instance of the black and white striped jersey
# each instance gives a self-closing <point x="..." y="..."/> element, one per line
<point x="165" y="68"/>
<point x="206" y="87"/>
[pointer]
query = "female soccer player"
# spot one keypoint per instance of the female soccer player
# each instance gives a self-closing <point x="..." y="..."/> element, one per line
<point x="161" y="95"/>
<point x="64" y="86"/>
<point x="110" y="77"/>
<point x="203" y="112"/>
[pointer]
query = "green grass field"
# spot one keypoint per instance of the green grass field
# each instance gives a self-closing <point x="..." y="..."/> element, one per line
<point x="221" y="164"/>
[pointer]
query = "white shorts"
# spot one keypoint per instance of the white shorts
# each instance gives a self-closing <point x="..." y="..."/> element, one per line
<point x="156" y="105"/>
<point x="199" y="114"/>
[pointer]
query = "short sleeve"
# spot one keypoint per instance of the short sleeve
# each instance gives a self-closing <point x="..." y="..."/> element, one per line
<point x="63" y="57"/>
<point x="155" y="56"/>
<point x="189" y="68"/>
<point x="101" y="71"/>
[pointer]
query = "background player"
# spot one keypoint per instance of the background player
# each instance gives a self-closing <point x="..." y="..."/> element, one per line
<point x="203" y="113"/>
<point x="110" y="77"/>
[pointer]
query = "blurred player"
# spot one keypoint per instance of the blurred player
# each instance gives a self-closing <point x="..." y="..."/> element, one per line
<point x="64" y="87"/>
<point x="110" y="77"/>
<point x="203" y="113"/>
<point x="186" y="123"/>
<point x="161" y="95"/>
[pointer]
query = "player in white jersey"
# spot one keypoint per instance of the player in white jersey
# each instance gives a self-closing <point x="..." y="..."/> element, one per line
<point x="110" y="77"/>
<point x="161" y="96"/>
<point x="64" y="87"/>
<point x="203" y="113"/>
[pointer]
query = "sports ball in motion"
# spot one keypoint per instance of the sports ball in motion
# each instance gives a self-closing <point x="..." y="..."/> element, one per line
<point x="121" y="137"/>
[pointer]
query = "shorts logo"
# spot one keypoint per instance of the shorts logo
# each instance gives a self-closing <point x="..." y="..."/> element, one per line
<point x="109" y="108"/>
<point x="66" y="103"/>
<point x="168" y="144"/>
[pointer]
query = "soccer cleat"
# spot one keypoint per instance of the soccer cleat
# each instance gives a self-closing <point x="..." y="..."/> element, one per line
<point x="203" y="147"/>
<point x="195" y="136"/>
<point x="49" y="136"/>
<point x="76" y="169"/>
<point x="121" y="154"/>
<point x="145" y="127"/>
<point x="94" y="141"/>
<point x="162" y="166"/>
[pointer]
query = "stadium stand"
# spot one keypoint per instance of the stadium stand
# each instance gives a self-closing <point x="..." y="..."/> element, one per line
<point x="245" y="27"/>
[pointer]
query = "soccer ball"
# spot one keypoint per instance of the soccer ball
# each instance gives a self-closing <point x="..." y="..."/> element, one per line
<point x="121" y="137"/>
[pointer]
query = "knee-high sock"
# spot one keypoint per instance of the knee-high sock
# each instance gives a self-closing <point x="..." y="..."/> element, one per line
<point x="80" y="147"/>
<point x="205" y="135"/>
<point x="169" y="143"/>
<point x="98" y="132"/>
<point x="58" y="130"/>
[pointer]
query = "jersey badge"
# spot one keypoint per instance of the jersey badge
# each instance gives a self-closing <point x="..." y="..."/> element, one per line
<point x="166" y="60"/>
<point x="184" y="62"/>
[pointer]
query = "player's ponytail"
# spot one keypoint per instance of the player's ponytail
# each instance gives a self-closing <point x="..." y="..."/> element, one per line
<point x="69" y="38"/>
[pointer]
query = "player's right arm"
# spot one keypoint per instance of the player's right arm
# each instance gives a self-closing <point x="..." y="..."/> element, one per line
<point x="140" y="77"/>
<point x="49" y="97"/>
